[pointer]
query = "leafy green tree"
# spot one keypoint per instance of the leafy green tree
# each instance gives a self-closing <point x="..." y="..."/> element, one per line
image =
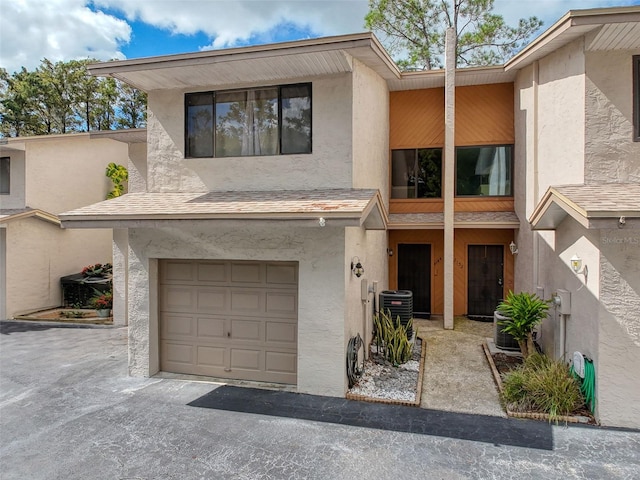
<point x="17" y="94"/>
<point x="132" y="107"/>
<point x="415" y="30"/>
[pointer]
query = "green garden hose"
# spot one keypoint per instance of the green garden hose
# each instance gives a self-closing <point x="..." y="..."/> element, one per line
<point x="587" y="384"/>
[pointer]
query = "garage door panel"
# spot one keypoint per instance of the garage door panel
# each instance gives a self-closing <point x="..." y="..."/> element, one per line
<point x="212" y="272"/>
<point x="178" y="353"/>
<point x="282" y="303"/>
<point x="177" y="298"/>
<point x="178" y="325"/>
<point x="246" y="273"/>
<point x="281" y="362"/>
<point x="211" y="328"/>
<point x="246" y="359"/>
<point x="279" y="332"/>
<point x="245" y="301"/>
<point x="282" y="274"/>
<point x="229" y="319"/>
<point x="246" y="330"/>
<point x="211" y="356"/>
<point x="215" y="300"/>
<point x="176" y="271"/>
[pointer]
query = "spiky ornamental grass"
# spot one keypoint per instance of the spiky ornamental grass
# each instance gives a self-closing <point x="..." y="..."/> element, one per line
<point x="542" y="385"/>
<point x="391" y="338"/>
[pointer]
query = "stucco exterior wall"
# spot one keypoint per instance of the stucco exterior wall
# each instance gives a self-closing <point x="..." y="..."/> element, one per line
<point x="561" y="117"/>
<point x="137" y="168"/>
<point x="329" y="166"/>
<point x="68" y="171"/>
<point x="618" y="381"/>
<point x="611" y="155"/>
<point x="370" y="130"/>
<point x="320" y="254"/>
<point x="39" y="253"/>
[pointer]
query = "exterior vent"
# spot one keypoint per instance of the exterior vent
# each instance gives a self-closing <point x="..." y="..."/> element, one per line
<point x="400" y="304"/>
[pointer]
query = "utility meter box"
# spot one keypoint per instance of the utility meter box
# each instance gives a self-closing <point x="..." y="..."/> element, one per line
<point x="565" y="301"/>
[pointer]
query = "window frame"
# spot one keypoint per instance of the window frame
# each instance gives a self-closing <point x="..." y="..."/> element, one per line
<point x="279" y="108"/>
<point x="636" y="97"/>
<point x="416" y="156"/>
<point x="8" y="162"/>
<point x="511" y="171"/>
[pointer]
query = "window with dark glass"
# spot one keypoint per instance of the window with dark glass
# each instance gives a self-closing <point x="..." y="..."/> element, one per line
<point x="252" y="122"/>
<point x="416" y="173"/>
<point x="484" y="171"/>
<point x="636" y="98"/>
<point x="5" y="169"/>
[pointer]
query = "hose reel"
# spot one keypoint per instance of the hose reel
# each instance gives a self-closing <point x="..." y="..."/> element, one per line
<point x="355" y="369"/>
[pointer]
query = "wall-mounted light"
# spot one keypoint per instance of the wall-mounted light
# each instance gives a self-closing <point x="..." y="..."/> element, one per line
<point x="322" y="222"/>
<point x="578" y="268"/>
<point x="356" y="267"/>
<point x="390" y="252"/>
<point x="513" y="247"/>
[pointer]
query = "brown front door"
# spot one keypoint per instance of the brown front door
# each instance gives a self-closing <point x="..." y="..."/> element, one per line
<point x="485" y="280"/>
<point x="414" y="273"/>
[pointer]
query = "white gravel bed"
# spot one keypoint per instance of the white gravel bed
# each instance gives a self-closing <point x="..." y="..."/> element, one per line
<point x="384" y="381"/>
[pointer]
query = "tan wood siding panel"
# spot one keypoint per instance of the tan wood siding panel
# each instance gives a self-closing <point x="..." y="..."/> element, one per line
<point x="416" y="118"/>
<point x="484" y="114"/>
<point x="229" y="319"/>
<point x="492" y="204"/>
<point x="416" y="206"/>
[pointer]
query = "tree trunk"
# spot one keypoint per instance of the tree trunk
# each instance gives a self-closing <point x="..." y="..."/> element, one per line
<point x="524" y="348"/>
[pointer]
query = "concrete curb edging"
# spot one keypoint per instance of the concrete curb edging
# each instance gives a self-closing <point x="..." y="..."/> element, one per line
<point x="387" y="401"/>
<point x="529" y="415"/>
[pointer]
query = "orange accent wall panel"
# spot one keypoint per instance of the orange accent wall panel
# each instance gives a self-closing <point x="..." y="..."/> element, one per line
<point x="481" y="204"/>
<point x="416" y="118"/>
<point x="484" y="114"/>
<point x="462" y="239"/>
<point x="416" y="206"/>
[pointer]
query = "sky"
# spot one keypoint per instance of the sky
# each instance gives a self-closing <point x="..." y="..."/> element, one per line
<point x="31" y="30"/>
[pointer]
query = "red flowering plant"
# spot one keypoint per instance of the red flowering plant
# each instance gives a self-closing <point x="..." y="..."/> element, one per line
<point x="103" y="301"/>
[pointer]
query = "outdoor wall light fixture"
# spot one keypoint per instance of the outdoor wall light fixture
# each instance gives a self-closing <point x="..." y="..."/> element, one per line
<point x="578" y="268"/>
<point x="322" y="222"/>
<point x="356" y="267"/>
<point x="513" y="247"/>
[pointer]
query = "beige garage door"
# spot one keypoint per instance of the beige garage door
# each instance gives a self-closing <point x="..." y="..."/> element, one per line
<point x="229" y="319"/>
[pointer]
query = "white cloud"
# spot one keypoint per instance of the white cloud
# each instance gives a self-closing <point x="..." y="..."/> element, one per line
<point x="58" y="30"/>
<point x="228" y="22"/>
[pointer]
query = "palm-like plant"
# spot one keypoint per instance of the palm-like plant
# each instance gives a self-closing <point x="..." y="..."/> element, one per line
<point x="524" y="311"/>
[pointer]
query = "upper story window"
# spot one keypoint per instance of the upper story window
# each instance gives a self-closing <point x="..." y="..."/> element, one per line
<point x="5" y="170"/>
<point x="484" y="171"/>
<point x="251" y="122"/>
<point x="416" y="173"/>
<point x="636" y="98"/>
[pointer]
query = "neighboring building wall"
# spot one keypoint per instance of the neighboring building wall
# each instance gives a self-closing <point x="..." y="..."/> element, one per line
<point x="321" y="293"/>
<point x="610" y="154"/>
<point x="329" y="166"/>
<point x="39" y="253"/>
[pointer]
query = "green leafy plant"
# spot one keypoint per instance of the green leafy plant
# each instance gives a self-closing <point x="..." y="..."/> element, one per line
<point x="391" y="339"/>
<point x="118" y="175"/>
<point x="524" y="311"/>
<point x="97" y="270"/>
<point x="542" y="385"/>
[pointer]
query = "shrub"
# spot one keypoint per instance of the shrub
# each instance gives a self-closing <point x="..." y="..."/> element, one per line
<point x="524" y="312"/>
<point x="102" y="301"/>
<point x="391" y="338"/>
<point x="542" y="385"/>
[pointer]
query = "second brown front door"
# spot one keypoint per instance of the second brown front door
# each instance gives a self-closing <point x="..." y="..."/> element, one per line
<point x="414" y="273"/>
<point x="485" y="280"/>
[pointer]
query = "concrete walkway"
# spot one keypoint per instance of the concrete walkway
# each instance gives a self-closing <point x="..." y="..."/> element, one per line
<point x="457" y="377"/>
<point x="69" y="411"/>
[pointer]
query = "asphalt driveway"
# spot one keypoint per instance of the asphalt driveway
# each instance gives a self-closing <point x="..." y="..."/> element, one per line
<point x="68" y="410"/>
